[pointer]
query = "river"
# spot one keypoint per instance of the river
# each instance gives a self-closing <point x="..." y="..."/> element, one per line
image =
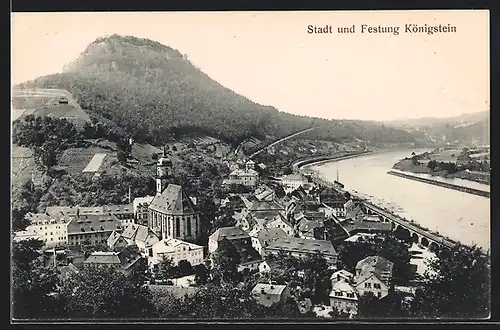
<point x="461" y="216"/>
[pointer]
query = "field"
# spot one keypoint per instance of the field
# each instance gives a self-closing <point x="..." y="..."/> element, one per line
<point x="75" y="160"/>
<point x="446" y="155"/>
<point x="95" y="163"/>
<point x="45" y="102"/>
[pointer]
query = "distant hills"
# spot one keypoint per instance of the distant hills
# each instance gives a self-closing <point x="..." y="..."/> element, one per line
<point x="470" y="128"/>
<point x="153" y="93"/>
<point x="463" y="119"/>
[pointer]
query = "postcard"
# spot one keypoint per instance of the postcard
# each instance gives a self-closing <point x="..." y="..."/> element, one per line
<point x="250" y="166"/>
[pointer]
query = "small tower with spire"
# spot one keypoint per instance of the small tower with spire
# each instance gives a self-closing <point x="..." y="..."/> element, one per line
<point x="163" y="168"/>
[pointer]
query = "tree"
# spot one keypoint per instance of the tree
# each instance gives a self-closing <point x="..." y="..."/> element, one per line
<point x="102" y="292"/>
<point x="164" y="270"/>
<point x="122" y="157"/>
<point x="226" y="219"/>
<point x="432" y="164"/>
<point x="225" y="262"/>
<point x="369" y="306"/>
<point x="185" y="268"/>
<point x="457" y="285"/>
<point x="214" y="301"/>
<point x="201" y="274"/>
<point x="19" y="220"/>
<point x="33" y="284"/>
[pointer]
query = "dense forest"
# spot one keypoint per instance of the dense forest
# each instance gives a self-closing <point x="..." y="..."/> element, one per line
<point x="153" y="93"/>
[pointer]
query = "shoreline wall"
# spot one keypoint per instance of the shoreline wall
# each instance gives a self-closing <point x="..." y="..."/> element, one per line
<point x="326" y="159"/>
<point x="468" y="190"/>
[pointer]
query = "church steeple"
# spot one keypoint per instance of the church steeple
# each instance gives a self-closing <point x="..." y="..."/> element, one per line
<point x="163" y="167"/>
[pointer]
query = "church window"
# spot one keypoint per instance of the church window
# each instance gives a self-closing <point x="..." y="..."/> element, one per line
<point x="189" y="226"/>
<point x="177" y="226"/>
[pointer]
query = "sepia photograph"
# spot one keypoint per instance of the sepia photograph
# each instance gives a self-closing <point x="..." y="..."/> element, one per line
<point x="239" y="166"/>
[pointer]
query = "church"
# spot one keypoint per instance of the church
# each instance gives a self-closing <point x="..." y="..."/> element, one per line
<point x="172" y="214"/>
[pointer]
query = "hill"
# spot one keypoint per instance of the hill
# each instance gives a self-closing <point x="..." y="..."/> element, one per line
<point x="154" y="93"/>
<point x="461" y="120"/>
<point x="468" y="129"/>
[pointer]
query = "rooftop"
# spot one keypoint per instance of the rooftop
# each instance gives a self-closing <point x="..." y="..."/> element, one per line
<point x="169" y="245"/>
<point x="173" y="200"/>
<point x="229" y="233"/>
<point x="140" y="233"/>
<point x="343" y="288"/>
<point x="94" y="223"/>
<point x="294" y="244"/>
<point x="377" y="265"/>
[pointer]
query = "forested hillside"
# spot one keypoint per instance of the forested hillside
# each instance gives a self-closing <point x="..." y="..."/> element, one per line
<point x="154" y="93"/>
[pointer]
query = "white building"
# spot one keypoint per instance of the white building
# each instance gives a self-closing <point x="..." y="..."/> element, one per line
<point x="280" y="222"/>
<point x="248" y="177"/>
<point x="229" y="233"/>
<point x="176" y="250"/>
<point x="140" y="206"/>
<point x="374" y="274"/>
<point x="293" y="181"/>
<point x="344" y="297"/>
<point x="51" y="229"/>
<point x="262" y="237"/>
<point x="301" y="248"/>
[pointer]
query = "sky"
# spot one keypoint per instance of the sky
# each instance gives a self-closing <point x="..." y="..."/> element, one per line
<point x="270" y="58"/>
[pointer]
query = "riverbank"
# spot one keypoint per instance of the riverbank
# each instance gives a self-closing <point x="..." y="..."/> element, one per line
<point x="441" y="184"/>
<point x="406" y="165"/>
<point x="301" y="164"/>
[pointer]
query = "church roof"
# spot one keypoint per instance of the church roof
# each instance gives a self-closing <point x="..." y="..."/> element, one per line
<point x="173" y="200"/>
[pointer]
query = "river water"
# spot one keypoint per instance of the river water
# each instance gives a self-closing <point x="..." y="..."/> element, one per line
<point x="460" y="216"/>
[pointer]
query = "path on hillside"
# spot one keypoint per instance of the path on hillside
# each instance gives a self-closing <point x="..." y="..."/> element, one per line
<point x="281" y="140"/>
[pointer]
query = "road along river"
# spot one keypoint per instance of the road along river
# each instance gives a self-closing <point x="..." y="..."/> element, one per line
<point x="461" y="216"/>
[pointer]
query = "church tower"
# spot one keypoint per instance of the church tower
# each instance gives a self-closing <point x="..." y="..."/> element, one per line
<point x="163" y="168"/>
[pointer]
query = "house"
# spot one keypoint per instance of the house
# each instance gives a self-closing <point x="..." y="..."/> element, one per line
<point x="52" y="229"/>
<point x="353" y="211"/>
<point x="92" y="229"/>
<point x="249" y="257"/>
<point x="243" y="220"/>
<point x="124" y="261"/>
<point x="293" y="181"/>
<point x="309" y="224"/>
<point x="140" y="206"/>
<point x="176" y="250"/>
<point x="141" y="236"/>
<point x="344" y="297"/>
<point x="262" y="237"/>
<point x="116" y="242"/>
<point x="124" y="212"/>
<point x="300" y="248"/>
<point x="374" y="274"/>
<point x="341" y="275"/>
<point x="264" y="193"/>
<point x="230" y="233"/>
<point x="248" y="177"/>
<point x="270" y="294"/>
<point x="280" y="222"/>
<point x="172" y="214"/>
<point x="263" y="211"/>
<point x="334" y="199"/>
